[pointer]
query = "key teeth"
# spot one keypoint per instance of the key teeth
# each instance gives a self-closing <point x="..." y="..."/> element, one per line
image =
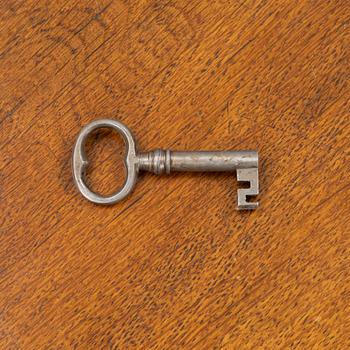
<point x="250" y="175"/>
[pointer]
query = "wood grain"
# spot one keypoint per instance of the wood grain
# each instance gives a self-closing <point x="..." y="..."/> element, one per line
<point x="174" y="266"/>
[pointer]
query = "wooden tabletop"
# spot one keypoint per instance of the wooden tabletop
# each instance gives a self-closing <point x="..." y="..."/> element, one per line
<point x="175" y="266"/>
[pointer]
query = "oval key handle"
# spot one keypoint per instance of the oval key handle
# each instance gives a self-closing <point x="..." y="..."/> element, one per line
<point x="80" y="162"/>
<point x="159" y="161"/>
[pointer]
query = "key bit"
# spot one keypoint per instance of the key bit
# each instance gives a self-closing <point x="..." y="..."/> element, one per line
<point x="159" y="161"/>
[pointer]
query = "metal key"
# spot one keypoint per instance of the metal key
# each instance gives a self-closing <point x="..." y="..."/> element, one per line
<point x="245" y="163"/>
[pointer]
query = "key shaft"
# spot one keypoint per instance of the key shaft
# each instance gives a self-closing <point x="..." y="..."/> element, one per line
<point x="244" y="162"/>
<point x="164" y="161"/>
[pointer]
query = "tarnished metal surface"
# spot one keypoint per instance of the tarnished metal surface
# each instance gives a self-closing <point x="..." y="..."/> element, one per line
<point x="245" y="163"/>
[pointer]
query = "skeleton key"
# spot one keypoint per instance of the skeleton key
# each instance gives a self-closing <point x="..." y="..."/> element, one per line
<point x="245" y="163"/>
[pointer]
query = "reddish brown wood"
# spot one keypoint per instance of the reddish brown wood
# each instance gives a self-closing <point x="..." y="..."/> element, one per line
<point x="175" y="266"/>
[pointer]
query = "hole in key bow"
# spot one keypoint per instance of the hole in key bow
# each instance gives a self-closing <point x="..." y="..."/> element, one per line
<point x="105" y="149"/>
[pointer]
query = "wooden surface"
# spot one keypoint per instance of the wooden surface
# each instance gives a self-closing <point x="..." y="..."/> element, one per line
<point x="174" y="266"/>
